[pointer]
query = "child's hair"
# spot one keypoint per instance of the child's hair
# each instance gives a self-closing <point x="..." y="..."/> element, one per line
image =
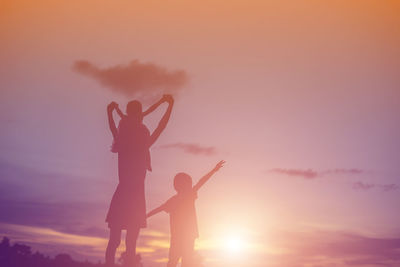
<point x="182" y="182"/>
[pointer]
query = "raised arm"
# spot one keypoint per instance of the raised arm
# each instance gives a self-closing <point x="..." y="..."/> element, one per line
<point x="164" y="120"/>
<point x="206" y="177"/>
<point x="154" y="106"/>
<point x="111" y="122"/>
<point x="155" y="211"/>
<point x="119" y="112"/>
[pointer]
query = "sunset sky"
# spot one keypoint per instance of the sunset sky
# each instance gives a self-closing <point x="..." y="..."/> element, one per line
<point x="301" y="98"/>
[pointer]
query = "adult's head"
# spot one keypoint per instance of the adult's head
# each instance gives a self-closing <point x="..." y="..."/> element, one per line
<point x="134" y="110"/>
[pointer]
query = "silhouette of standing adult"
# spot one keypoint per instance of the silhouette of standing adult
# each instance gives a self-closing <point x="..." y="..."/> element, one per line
<point x="132" y="141"/>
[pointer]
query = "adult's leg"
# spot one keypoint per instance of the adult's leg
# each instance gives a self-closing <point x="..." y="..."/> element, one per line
<point x="113" y="243"/>
<point x="174" y="253"/>
<point x="130" y="242"/>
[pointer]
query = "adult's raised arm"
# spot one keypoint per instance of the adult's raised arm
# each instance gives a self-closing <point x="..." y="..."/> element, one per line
<point x="111" y="122"/>
<point x="154" y="106"/>
<point x="164" y="120"/>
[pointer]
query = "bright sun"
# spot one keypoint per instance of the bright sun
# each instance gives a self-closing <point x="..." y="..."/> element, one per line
<point x="234" y="244"/>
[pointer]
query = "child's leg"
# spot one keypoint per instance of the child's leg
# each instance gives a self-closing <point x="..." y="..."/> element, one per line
<point x="113" y="243"/>
<point x="187" y="253"/>
<point x="130" y="242"/>
<point x="173" y="262"/>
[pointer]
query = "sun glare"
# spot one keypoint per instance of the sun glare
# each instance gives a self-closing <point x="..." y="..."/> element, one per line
<point x="234" y="244"/>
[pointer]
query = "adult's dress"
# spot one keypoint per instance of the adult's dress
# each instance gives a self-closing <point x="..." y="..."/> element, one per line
<point x="128" y="206"/>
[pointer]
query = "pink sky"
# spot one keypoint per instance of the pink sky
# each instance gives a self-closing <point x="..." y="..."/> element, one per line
<point x="295" y="96"/>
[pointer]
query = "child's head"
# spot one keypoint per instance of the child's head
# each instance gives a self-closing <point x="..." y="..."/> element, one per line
<point x="182" y="182"/>
<point x="134" y="109"/>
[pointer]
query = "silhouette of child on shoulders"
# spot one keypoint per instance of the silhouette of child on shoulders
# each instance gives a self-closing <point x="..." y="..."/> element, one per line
<point x="115" y="106"/>
<point x="183" y="219"/>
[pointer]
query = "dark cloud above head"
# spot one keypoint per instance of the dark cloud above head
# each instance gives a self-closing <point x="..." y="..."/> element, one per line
<point x="135" y="79"/>
<point x="307" y="174"/>
<point x="366" y="186"/>
<point x="194" y="149"/>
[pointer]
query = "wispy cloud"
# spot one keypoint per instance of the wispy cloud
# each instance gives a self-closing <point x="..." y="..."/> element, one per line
<point x="75" y="218"/>
<point x="362" y="186"/>
<point x="344" y="171"/>
<point x="389" y="187"/>
<point x="190" y="148"/>
<point x="367" y="186"/>
<point x="307" y="174"/>
<point x="135" y="79"/>
<point x="39" y="198"/>
<point x="311" y="174"/>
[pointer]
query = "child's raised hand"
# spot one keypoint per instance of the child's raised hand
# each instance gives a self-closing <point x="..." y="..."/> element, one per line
<point x="168" y="98"/>
<point x="113" y="105"/>
<point x="219" y="165"/>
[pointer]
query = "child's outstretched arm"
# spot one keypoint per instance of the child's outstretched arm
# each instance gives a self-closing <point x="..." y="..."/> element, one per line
<point x="155" y="211"/>
<point x="206" y="177"/>
<point x="154" y="106"/>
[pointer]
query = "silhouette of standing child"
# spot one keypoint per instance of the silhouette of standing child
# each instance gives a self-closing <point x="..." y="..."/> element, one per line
<point x="183" y="220"/>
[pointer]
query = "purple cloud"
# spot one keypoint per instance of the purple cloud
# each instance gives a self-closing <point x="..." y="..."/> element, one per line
<point x="194" y="149"/>
<point x="363" y="186"/>
<point x="135" y="78"/>
<point x="389" y="187"/>
<point x="311" y="174"/>
<point x="306" y="174"/>
<point x="366" y="186"/>
<point x="345" y="171"/>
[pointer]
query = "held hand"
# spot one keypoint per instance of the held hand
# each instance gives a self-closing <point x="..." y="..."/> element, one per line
<point x="113" y="105"/>
<point x="219" y="165"/>
<point x="168" y="98"/>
